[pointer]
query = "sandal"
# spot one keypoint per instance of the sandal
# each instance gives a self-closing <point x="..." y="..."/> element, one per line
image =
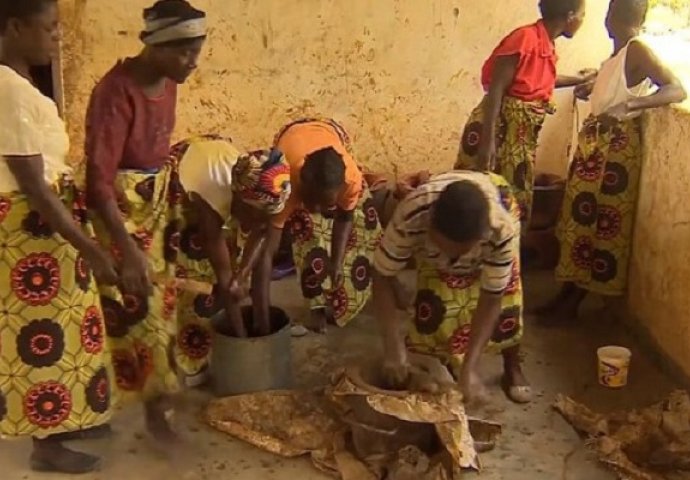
<point x="521" y="394"/>
<point x="298" y="331"/>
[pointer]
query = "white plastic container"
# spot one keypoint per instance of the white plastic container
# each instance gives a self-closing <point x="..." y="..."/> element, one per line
<point x="614" y="366"/>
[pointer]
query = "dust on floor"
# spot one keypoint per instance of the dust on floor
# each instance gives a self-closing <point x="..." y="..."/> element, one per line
<point x="537" y="444"/>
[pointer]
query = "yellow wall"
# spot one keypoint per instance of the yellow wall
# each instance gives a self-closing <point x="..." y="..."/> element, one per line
<point x="402" y="75"/>
<point x="660" y="269"/>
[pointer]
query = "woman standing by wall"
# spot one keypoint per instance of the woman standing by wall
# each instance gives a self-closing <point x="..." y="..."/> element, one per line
<point x="54" y="367"/>
<point x="132" y="189"/>
<point x="598" y="215"/>
<point x="519" y="79"/>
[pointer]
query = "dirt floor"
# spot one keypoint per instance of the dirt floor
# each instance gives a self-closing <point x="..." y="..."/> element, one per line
<point x="536" y="445"/>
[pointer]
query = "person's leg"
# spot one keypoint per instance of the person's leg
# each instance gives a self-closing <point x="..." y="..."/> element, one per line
<point x="50" y="455"/>
<point x="156" y="410"/>
<point x="515" y="383"/>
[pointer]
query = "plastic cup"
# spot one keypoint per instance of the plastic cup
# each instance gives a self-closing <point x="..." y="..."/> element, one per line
<point x="614" y="365"/>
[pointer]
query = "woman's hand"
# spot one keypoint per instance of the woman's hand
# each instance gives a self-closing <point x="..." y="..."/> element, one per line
<point x="588" y="74"/>
<point x="472" y="387"/>
<point x="396" y="373"/>
<point x="335" y="272"/>
<point x="238" y="289"/>
<point x="102" y="266"/>
<point x="134" y="276"/>
<point x="583" y="91"/>
<point x="486" y="155"/>
<point x="620" y="112"/>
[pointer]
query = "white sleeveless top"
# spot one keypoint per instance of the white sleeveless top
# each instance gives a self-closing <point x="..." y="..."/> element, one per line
<point x="611" y="85"/>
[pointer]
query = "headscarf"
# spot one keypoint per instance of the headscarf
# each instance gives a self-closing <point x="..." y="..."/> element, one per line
<point x="172" y="20"/>
<point x="262" y="179"/>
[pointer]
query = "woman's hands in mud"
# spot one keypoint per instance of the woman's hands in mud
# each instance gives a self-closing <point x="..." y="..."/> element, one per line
<point x="421" y="373"/>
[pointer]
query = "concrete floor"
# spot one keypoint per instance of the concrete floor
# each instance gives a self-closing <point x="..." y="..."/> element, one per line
<point x="536" y="445"/>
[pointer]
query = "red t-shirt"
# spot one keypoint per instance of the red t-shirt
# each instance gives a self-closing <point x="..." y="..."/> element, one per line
<point x="535" y="78"/>
<point x="125" y="129"/>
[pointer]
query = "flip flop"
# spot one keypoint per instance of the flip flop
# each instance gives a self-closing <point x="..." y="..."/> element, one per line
<point x="282" y="271"/>
<point x="298" y="331"/>
<point x="521" y="394"/>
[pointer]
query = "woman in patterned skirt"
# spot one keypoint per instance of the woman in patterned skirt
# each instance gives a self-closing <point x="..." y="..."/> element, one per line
<point x="519" y="78"/>
<point x="463" y="230"/>
<point x="131" y="189"/>
<point x="221" y="187"/>
<point x="333" y="224"/>
<point x="54" y="375"/>
<point x="596" y="224"/>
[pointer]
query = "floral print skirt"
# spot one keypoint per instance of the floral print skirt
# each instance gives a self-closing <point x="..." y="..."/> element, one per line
<point x="519" y="125"/>
<point x="312" y="235"/>
<point x="446" y="302"/>
<point x="597" y="219"/>
<point x="141" y="331"/>
<point x="55" y="372"/>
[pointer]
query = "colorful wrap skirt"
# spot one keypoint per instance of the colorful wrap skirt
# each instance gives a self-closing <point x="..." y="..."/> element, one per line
<point x="446" y="302"/>
<point x="141" y="331"/>
<point x="596" y="224"/>
<point x="518" y="128"/>
<point x="55" y="372"/>
<point x="312" y="236"/>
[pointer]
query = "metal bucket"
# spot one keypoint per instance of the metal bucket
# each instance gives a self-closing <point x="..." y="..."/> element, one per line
<point x="255" y="364"/>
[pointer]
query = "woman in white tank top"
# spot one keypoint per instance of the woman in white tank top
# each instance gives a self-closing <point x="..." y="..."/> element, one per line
<point x="596" y="224"/>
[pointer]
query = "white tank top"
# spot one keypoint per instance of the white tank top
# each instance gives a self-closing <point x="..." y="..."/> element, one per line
<point x="611" y="85"/>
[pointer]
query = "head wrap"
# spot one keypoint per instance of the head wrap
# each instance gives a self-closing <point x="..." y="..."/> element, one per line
<point x="172" y="20"/>
<point x="262" y="179"/>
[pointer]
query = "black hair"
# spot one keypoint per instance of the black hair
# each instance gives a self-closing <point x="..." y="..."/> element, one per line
<point x="324" y="169"/>
<point x="632" y="13"/>
<point x="21" y="9"/>
<point x="558" y="9"/>
<point x="180" y="9"/>
<point x="461" y="213"/>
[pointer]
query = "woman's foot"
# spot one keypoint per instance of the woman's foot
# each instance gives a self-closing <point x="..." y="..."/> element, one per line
<point x="157" y="421"/>
<point x="514" y="382"/>
<point x="51" y="456"/>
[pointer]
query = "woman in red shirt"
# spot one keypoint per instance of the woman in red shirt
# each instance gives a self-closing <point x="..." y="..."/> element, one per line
<point x="519" y="79"/>
<point x="501" y="135"/>
<point x="132" y="189"/>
